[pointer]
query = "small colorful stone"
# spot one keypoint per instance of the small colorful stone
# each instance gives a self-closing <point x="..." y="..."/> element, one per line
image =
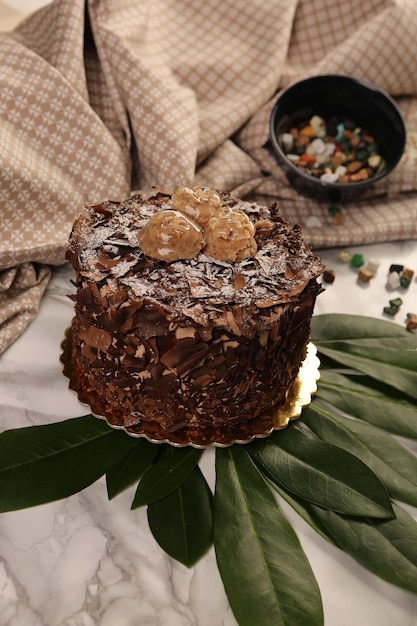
<point x="357" y="260"/>
<point x="329" y="177"/>
<point x="390" y="310"/>
<point x="344" y="256"/>
<point x="373" y="265"/>
<point x="317" y="146"/>
<point x="393" y="280"/>
<point x="293" y="157"/>
<point x="396" y="302"/>
<point x="340" y="170"/>
<point x="405" y="281"/>
<point x="365" y="275"/>
<point x="319" y="125"/>
<point x="411" y="321"/>
<point x="287" y="140"/>
<point x="328" y="276"/>
<point x="406" y="277"/>
<point x="374" y="161"/>
<point x="354" y="166"/>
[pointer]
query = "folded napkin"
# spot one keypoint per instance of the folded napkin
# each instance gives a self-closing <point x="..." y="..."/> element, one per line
<point x="104" y="97"/>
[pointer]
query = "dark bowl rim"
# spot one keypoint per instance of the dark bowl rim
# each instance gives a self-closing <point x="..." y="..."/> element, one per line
<point x="316" y="181"/>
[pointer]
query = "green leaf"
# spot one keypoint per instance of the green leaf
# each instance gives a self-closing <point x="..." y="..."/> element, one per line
<point x="40" y="464"/>
<point x="382" y="350"/>
<point x="266" y="575"/>
<point x="397" y="368"/>
<point x="322" y="473"/>
<point x="171" y="468"/>
<point x="366" y="402"/>
<point x="344" y="326"/>
<point x="393" y="463"/>
<point x="396" y="377"/>
<point x="386" y="548"/>
<point x="130" y="468"/>
<point x="182" y="522"/>
<point x="392" y="350"/>
<point x="304" y="510"/>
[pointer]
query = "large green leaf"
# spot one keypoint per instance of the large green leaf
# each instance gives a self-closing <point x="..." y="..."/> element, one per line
<point x="304" y="509"/>
<point x="130" y="468"/>
<point x="322" y="473"/>
<point x="382" y="350"/>
<point x="182" y="522"/>
<point x="401" y="375"/>
<point x="266" y="575"/>
<point x="386" y="548"/>
<point x="41" y="464"/>
<point x="351" y="395"/>
<point x="337" y="326"/>
<point x="395" y="351"/>
<point x="395" y="465"/>
<point x="171" y="468"/>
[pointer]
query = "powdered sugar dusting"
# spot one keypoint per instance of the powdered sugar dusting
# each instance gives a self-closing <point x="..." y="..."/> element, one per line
<point x="107" y="247"/>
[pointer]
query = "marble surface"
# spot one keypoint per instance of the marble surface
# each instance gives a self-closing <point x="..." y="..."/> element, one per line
<point x="85" y="561"/>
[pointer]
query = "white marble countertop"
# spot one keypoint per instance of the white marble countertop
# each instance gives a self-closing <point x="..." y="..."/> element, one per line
<point x="84" y="560"/>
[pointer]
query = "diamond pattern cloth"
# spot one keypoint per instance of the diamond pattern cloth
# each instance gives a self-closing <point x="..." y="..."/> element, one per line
<point x="103" y="97"/>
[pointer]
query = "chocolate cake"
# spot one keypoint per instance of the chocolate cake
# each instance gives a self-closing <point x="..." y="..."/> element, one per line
<point x="192" y="313"/>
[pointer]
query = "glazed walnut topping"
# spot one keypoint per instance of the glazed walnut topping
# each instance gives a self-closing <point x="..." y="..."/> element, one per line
<point x="198" y="221"/>
<point x="229" y="236"/>
<point x="196" y="202"/>
<point x="170" y="236"/>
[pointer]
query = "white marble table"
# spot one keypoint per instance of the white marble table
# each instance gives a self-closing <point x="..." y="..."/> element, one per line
<point x="85" y="561"/>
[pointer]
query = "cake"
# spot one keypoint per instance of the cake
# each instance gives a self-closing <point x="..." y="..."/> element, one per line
<point x="192" y="313"/>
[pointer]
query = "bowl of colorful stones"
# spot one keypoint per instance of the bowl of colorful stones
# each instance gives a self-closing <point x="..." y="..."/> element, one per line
<point x="335" y="136"/>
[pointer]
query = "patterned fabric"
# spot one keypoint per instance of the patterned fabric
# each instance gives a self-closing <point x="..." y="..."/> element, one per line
<point x="103" y="97"/>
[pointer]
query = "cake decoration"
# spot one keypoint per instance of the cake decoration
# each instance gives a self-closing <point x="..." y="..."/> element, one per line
<point x="198" y="203"/>
<point x="189" y="349"/>
<point x="198" y="220"/>
<point x="170" y="236"/>
<point x="229" y="236"/>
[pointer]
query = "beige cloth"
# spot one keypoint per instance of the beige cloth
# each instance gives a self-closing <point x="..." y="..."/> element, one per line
<point x="102" y="97"/>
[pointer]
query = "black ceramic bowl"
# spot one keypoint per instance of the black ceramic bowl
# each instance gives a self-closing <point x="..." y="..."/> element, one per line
<point x="344" y="97"/>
